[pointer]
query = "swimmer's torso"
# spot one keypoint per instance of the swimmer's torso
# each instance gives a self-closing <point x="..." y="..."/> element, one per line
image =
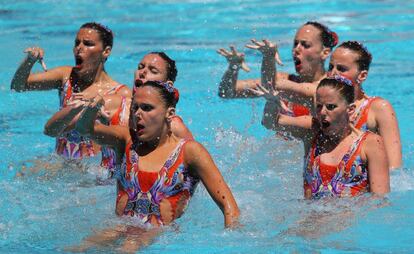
<point x="154" y="197"/>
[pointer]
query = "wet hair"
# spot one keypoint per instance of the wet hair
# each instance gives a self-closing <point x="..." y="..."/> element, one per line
<point x="365" y="58"/>
<point x="328" y="38"/>
<point x="171" y="68"/>
<point x="341" y="84"/>
<point x="168" y="92"/>
<point x="105" y="34"/>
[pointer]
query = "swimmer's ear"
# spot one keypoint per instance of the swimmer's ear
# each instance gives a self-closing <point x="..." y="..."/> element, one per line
<point x="351" y="109"/>
<point x="170" y="114"/>
<point x="325" y="53"/>
<point x="362" y="76"/>
<point x="107" y="51"/>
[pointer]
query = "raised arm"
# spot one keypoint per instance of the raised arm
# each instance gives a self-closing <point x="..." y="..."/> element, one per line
<point x="229" y="86"/>
<point x="269" y="60"/>
<point x="387" y="125"/>
<point x="378" y="172"/>
<point x="199" y="160"/>
<point x="51" y="79"/>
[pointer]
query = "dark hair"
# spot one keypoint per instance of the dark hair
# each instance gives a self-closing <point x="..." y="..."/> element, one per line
<point x="168" y="92"/>
<point x="342" y="85"/>
<point x="105" y="34"/>
<point x="171" y="68"/>
<point x="365" y="57"/>
<point x="328" y="37"/>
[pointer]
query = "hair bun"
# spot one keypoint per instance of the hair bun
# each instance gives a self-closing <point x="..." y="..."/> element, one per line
<point x="335" y="38"/>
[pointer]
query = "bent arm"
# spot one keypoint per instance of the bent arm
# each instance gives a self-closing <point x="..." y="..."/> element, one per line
<point x="230" y="87"/>
<point x="388" y="129"/>
<point x="378" y="173"/>
<point x="113" y="135"/>
<point x="203" y="165"/>
<point x="24" y="81"/>
<point x="61" y="121"/>
<point x="296" y="127"/>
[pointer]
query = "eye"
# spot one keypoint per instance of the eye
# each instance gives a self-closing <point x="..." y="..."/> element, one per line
<point x="342" y="68"/>
<point x="306" y="45"/>
<point x="318" y="107"/>
<point x="330" y="107"/>
<point x="295" y="43"/>
<point x="89" y="43"/>
<point x="154" y="70"/>
<point x="146" y="107"/>
<point x="330" y="68"/>
<point x="77" y="43"/>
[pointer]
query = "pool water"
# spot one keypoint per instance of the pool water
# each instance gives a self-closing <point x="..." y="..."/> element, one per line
<point x="48" y="210"/>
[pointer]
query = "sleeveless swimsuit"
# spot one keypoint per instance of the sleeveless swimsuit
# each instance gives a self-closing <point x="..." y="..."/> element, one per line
<point x="146" y="190"/>
<point x="361" y="114"/>
<point x="348" y="178"/>
<point x="72" y="145"/>
<point x="119" y="118"/>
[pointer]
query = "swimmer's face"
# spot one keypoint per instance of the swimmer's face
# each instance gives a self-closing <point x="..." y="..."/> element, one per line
<point x="148" y="114"/>
<point x="344" y="62"/>
<point x="308" y="51"/>
<point x="152" y="67"/>
<point x="88" y="50"/>
<point x="332" y="111"/>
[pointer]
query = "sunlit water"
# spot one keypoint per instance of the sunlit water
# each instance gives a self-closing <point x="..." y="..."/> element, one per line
<point x="48" y="210"/>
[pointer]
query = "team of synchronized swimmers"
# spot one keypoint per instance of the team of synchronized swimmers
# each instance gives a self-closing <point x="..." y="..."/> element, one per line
<point x="351" y="140"/>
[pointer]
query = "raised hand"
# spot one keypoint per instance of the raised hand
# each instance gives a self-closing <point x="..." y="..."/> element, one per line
<point x="36" y="54"/>
<point x="234" y="58"/>
<point x="267" y="48"/>
<point x="270" y="94"/>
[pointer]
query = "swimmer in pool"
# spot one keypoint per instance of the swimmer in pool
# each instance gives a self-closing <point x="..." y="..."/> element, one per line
<point x="155" y="66"/>
<point x="157" y="172"/>
<point x="312" y="45"/>
<point x="352" y="60"/>
<point x="340" y="160"/>
<point x="92" y="47"/>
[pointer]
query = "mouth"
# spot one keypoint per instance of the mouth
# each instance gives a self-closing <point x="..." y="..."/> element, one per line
<point x="140" y="128"/>
<point x="325" y="124"/>
<point x="78" y="61"/>
<point x="297" y="62"/>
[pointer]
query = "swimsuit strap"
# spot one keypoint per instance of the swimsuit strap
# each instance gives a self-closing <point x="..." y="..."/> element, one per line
<point x="361" y="113"/>
<point x="115" y="89"/>
<point x="349" y="157"/>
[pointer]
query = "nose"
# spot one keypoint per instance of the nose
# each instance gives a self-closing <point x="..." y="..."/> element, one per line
<point x="333" y="72"/>
<point x="296" y="48"/>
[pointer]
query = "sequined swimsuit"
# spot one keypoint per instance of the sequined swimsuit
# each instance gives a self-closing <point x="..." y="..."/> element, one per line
<point x="146" y="190"/>
<point x="348" y="178"/>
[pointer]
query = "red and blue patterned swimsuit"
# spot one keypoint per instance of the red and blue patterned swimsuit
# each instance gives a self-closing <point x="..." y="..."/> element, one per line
<point x="348" y="178"/>
<point x="72" y="145"/>
<point x="146" y="190"/>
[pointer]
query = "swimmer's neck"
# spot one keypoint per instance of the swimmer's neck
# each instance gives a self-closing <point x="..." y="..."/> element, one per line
<point x="318" y="74"/>
<point x="97" y="76"/>
<point x="332" y="141"/>
<point x="146" y="147"/>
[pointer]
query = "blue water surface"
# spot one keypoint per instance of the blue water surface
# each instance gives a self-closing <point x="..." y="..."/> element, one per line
<point x="48" y="210"/>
